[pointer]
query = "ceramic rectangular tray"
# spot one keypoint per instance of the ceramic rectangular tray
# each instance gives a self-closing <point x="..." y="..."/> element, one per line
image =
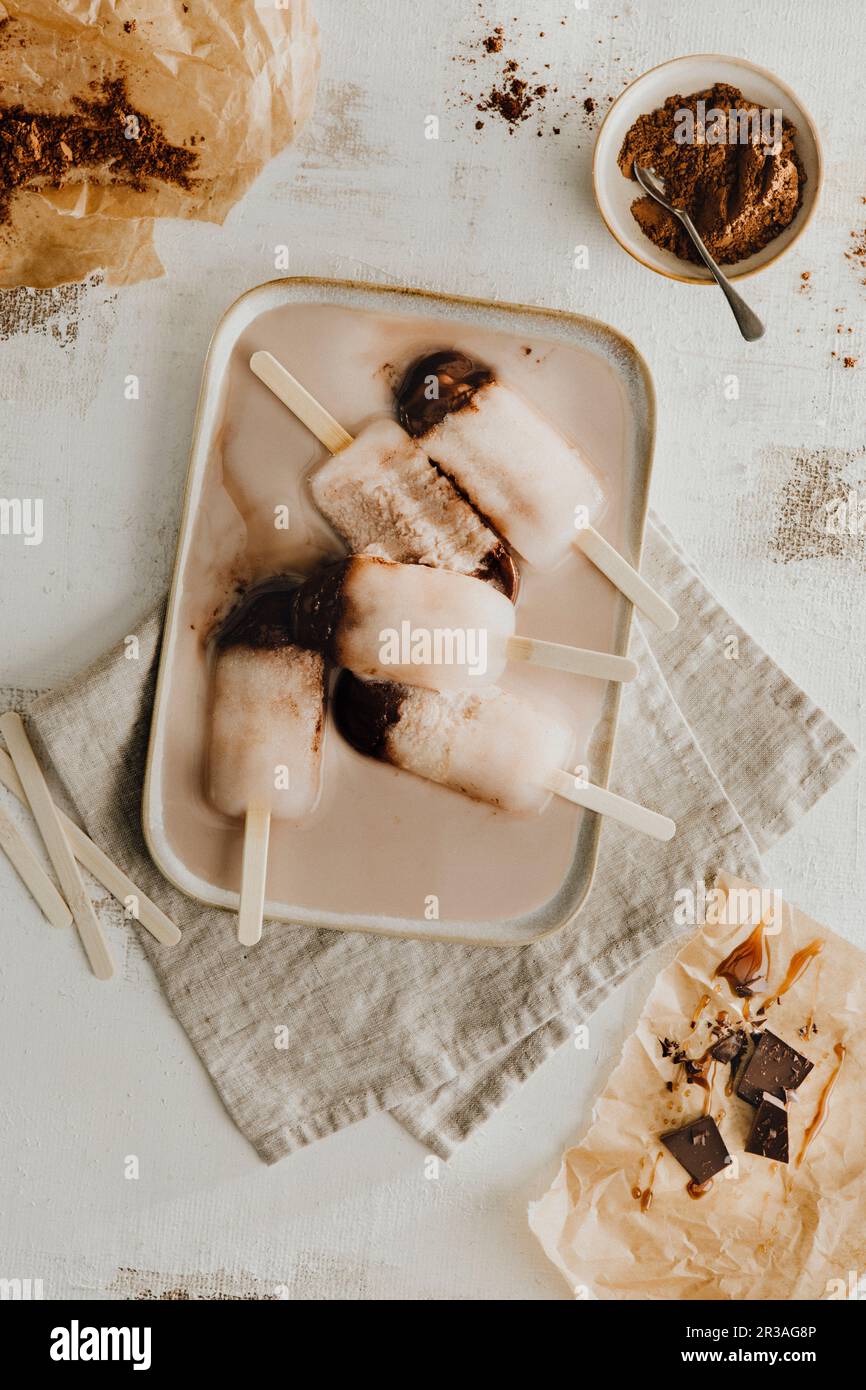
<point x="384" y="851"/>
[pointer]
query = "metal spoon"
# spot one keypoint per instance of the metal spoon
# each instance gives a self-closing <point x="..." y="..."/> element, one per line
<point x="747" y="321"/>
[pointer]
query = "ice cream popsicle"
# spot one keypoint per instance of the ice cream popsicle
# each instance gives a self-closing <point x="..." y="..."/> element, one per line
<point x="267" y="723"/>
<point x="488" y="744"/>
<point x="382" y="496"/>
<point x="516" y="468"/>
<point x="380" y="493"/>
<point x="423" y="626"/>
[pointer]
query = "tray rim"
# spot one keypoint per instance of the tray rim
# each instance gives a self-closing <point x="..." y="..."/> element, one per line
<point x="401" y="929"/>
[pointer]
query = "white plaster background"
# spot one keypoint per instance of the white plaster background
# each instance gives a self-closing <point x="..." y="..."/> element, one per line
<point x="93" y="1073"/>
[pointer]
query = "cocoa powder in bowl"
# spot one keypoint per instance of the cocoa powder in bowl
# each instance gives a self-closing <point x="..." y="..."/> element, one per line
<point x="730" y="164"/>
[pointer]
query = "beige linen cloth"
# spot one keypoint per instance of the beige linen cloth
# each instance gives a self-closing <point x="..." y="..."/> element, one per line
<point x="440" y="1035"/>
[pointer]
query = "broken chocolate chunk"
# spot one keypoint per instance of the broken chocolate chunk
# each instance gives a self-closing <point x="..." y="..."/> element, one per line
<point x="699" y="1147"/>
<point x="769" y="1134"/>
<point x="730" y="1048"/>
<point x="773" y="1068"/>
<point x="668" y="1046"/>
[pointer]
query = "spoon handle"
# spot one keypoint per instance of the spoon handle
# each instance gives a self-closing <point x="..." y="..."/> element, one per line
<point x="747" y="320"/>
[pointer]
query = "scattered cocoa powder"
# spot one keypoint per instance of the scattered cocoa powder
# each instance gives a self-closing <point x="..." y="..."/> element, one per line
<point x="740" y="195"/>
<point x="856" y="254"/>
<point x="514" y="91"/>
<point x="104" y="134"/>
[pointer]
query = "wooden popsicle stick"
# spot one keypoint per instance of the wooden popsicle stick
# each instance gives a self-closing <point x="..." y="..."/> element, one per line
<point x="50" y="828"/>
<point x="626" y="578"/>
<point x="97" y="862"/>
<point x="32" y="874"/>
<point x="257" y="830"/>
<point x="579" y="660"/>
<point x="606" y="803"/>
<point x="298" y="399"/>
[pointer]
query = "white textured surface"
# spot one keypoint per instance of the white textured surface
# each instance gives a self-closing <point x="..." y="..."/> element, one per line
<point x="94" y="1073"/>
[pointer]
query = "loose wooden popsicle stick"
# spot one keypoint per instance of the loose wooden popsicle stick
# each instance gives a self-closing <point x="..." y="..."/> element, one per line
<point x="626" y="578"/>
<point x="298" y="399"/>
<point x="91" y="857"/>
<point x="257" y="830"/>
<point x="579" y="660"/>
<point x="47" y="819"/>
<point x="32" y="874"/>
<point x="607" y="803"/>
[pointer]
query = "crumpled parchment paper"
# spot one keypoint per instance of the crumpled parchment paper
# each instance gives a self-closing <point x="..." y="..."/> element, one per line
<point x="765" y="1230"/>
<point x="232" y="79"/>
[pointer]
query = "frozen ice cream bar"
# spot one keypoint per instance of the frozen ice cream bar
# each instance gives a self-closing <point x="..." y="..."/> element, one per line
<point x="384" y="498"/>
<point x="487" y="744"/>
<point x="516" y="469"/>
<point x="506" y="457"/>
<point x="424" y="626"/>
<point x="267" y="723"/>
<point x="267" y="714"/>
<point x="409" y="623"/>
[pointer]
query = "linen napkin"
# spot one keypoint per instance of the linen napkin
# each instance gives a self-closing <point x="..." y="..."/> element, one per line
<point x="440" y="1034"/>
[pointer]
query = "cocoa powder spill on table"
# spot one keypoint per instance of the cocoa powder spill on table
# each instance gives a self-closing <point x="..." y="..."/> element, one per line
<point x="518" y="93"/>
<point x="856" y="253"/>
<point x="739" y="194"/>
<point x="515" y="98"/>
<point x="104" y="134"/>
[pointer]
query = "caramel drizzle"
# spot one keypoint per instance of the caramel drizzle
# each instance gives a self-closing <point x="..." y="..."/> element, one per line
<point x="698" y="1189"/>
<point x="645" y="1196"/>
<point x="710" y="1078"/>
<point x="704" y="1001"/>
<point x="799" y="964"/>
<point x="809" y="1026"/>
<point x="823" y="1108"/>
<point x="745" y="964"/>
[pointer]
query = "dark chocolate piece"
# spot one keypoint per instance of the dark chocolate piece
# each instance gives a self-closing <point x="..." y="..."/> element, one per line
<point x="263" y="618"/>
<point x="774" y="1067"/>
<point x="730" y="1048"/>
<point x="768" y="1137"/>
<point x="457" y="380"/>
<point x="365" y="710"/>
<point x="699" y="1147"/>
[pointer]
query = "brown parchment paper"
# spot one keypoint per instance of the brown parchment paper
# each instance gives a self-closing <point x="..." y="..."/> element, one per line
<point x="232" y="79"/>
<point x="767" y="1230"/>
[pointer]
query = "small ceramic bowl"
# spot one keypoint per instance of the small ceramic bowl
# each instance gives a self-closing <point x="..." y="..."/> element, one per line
<point x="615" y="194"/>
